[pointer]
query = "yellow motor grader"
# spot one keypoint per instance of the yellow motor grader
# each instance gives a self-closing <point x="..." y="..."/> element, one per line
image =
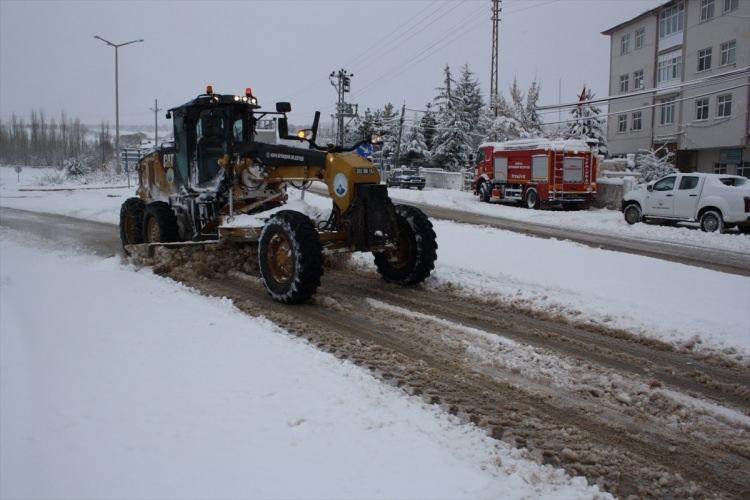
<point x="216" y="173"/>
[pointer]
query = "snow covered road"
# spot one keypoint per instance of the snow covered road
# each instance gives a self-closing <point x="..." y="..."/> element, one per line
<point x="634" y="416"/>
<point x="121" y="384"/>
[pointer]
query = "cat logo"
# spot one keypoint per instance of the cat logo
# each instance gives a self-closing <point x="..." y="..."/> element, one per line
<point x="340" y="185"/>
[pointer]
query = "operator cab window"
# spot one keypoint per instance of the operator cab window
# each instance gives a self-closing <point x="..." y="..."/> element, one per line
<point x="238" y="130"/>
<point x="688" y="182"/>
<point x="666" y="184"/>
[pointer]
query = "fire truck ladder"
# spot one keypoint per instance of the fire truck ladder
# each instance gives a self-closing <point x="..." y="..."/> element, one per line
<point x="558" y="171"/>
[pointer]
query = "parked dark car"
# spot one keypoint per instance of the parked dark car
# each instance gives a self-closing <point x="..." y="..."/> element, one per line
<point x="406" y="178"/>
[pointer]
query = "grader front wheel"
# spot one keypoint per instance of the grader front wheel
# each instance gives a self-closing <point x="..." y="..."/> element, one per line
<point x="413" y="259"/>
<point x="290" y="257"/>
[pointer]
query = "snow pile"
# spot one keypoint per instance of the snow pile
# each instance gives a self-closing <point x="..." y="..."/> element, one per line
<point x="146" y="390"/>
<point x="596" y="221"/>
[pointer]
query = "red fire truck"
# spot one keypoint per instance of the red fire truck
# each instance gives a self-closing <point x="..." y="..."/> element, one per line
<point x="536" y="173"/>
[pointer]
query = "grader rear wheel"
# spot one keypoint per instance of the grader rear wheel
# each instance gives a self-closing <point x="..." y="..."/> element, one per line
<point x="290" y="257"/>
<point x="159" y="223"/>
<point x="413" y="259"/>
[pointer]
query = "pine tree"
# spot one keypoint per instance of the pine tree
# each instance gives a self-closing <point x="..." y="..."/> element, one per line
<point x="451" y="146"/>
<point x="415" y="150"/>
<point x="470" y="106"/>
<point x="428" y="124"/>
<point x="531" y="121"/>
<point x="588" y="124"/>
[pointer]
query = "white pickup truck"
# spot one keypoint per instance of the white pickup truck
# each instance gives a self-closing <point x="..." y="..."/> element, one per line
<point x="716" y="201"/>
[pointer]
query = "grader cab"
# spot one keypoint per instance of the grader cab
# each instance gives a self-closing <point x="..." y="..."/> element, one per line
<point x="216" y="173"/>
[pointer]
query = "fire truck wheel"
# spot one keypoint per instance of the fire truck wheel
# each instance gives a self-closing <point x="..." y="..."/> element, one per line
<point x="290" y="257"/>
<point x="413" y="259"/>
<point x="484" y="191"/>
<point x="532" y="199"/>
<point x="632" y="213"/>
<point x="159" y="223"/>
<point x="131" y="222"/>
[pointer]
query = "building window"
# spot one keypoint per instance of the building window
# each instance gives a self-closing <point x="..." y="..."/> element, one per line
<point x="704" y="59"/>
<point x="744" y="169"/>
<point x="707" y="9"/>
<point x="638" y="80"/>
<point x="701" y="109"/>
<point x="625" y="44"/>
<point x="669" y="66"/>
<point x="720" y="168"/>
<point x="640" y="38"/>
<point x="724" y="105"/>
<point x="622" y="123"/>
<point x="637" y="121"/>
<point x="728" y="52"/>
<point x="623" y="84"/>
<point x="666" y="111"/>
<point x="671" y="19"/>
<point x="730" y="5"/>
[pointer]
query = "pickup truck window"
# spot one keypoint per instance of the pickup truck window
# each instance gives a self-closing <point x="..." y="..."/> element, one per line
<point x="666" y="184"/>
<point x="689" y="182"/>
<point x="733" y="181"/>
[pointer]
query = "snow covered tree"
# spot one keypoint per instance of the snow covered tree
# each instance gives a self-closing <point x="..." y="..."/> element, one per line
<point x="451" y="145"/>
<point x="385" y="124"/>
<point x="587" y="122"/>
<point x="428" y="125"/>
<point x="470" y="105"/>
<point x="653" y="164"/>
<point x="531" y="121"/>
<point x="505" y="128"/>
<point x="414" y="150"/>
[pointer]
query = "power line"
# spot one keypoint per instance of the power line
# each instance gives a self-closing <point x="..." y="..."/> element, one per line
<point x="730" y="75"/>
<point x="649" y="106"/>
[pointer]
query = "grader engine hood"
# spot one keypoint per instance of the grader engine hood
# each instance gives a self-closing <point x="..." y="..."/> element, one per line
<point x="343" y="171"/>
<point x="354" y="185"/>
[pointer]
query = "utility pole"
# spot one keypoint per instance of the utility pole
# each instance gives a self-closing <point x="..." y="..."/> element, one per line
<point x="496" y="9"/>
<point x="341" y="80"/>
<point x="156" y="110"/>
<point x="400" y="131"/>
<point x="117" y="96"/>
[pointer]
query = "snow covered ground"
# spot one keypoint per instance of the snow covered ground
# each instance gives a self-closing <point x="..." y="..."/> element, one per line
<point x="122" y="384"/>
<point x="599" y="221"/>
<point x="99" y="201"/>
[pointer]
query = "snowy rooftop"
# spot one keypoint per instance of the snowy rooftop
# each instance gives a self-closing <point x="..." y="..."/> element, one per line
<point x="539" y="143"/>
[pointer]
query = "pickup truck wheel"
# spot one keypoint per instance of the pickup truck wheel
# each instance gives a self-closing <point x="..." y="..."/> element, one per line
<point x="484" y="192"/>
<point x="290" y="257"/>
<point x="413" y="259"/>
<point x="632" y="214"/>
<point x="712" y="222"/>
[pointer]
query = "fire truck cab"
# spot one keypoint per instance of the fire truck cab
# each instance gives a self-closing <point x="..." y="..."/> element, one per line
<point x="537" y="173"/>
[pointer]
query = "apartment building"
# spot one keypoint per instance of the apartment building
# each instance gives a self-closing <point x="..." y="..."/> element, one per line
<point x="682" y="70"/>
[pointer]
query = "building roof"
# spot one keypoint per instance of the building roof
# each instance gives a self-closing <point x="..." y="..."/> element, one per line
<point x="649" y="12"/>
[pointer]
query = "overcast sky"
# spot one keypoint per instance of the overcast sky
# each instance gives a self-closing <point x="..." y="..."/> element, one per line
<point x="286" y="49"/>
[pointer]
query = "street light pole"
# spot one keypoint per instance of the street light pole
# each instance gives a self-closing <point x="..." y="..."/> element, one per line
<point x="117" y="95"/>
